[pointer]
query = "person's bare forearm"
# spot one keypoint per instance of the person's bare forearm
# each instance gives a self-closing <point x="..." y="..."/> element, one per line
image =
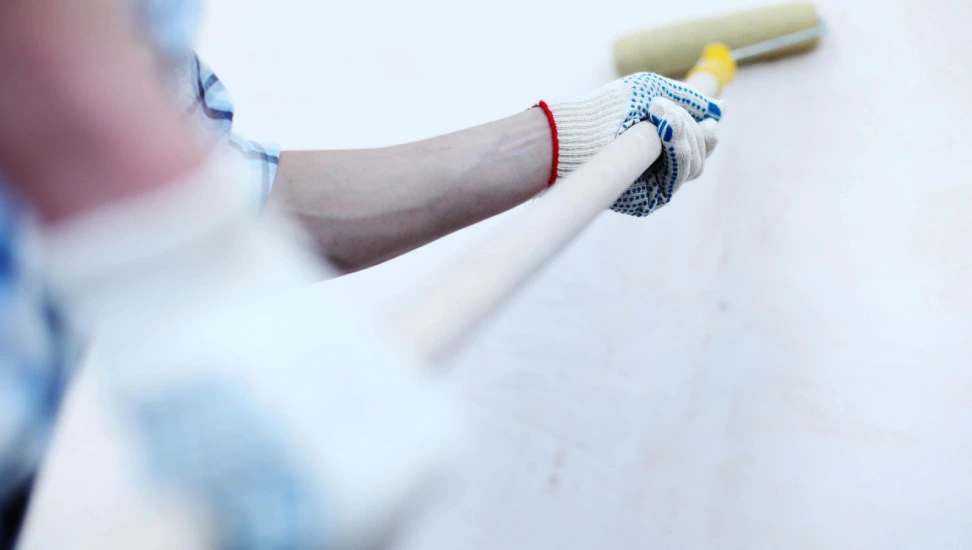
<point x="367" y="206"/>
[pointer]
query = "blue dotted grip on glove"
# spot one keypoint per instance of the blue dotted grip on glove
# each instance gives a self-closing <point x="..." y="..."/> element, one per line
<point x="659" y="183"/>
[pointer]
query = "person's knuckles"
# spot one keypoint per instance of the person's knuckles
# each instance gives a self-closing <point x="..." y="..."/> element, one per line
<point x="661" y="105"/>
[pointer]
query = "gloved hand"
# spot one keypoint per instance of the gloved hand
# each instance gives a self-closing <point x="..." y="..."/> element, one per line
<point x="686" y="121"/>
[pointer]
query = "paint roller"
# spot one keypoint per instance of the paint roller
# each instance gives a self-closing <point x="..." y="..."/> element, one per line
<point x="672" y="50"/>
<point x="439" y="318"/>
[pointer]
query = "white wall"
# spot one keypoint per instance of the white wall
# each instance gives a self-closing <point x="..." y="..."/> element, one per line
<point x="781" y="358"/>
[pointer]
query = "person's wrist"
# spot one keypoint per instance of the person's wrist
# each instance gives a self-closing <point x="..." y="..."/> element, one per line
<point x="554" y="141"/>
<point x="583" y="126"/>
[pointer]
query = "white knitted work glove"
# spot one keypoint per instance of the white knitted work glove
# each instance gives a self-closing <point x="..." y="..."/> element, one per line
<point x="686" y="121"/>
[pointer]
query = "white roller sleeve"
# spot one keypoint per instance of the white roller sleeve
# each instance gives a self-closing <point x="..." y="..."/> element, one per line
<point x="468" y="292"/>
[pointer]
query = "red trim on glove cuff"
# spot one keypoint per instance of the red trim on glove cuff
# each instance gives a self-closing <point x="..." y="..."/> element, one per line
<point x="556" y="142"/>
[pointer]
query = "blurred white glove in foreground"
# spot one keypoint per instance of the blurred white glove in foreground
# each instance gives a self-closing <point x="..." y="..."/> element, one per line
<point x="280" y="422"/>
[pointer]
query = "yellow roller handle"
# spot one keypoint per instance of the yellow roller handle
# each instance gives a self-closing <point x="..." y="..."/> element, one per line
<point x="716" y="60"/>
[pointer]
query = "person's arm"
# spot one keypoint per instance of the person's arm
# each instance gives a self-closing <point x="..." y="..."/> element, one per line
<point x="366" y="206"/>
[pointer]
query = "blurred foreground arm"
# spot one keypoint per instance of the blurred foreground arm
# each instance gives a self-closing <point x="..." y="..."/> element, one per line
<point x="232" y="390"/>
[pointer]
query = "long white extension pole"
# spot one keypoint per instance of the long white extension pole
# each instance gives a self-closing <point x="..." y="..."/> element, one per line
<point x="438" y="319"/>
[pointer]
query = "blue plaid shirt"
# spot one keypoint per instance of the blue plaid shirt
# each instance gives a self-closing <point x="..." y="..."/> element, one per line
<point x="34" y="363"/>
